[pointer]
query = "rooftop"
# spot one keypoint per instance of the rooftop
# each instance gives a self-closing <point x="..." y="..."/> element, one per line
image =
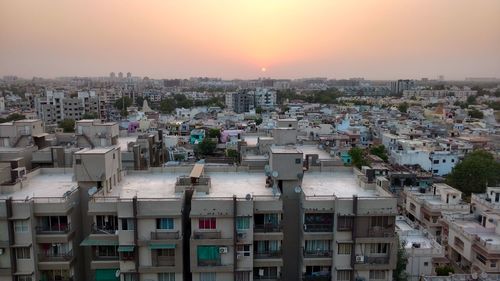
<point x="226" y="184"/>
<point x="44" y="183"/>
<point x="340" y="183"/>
<point x="146" y="185"/>
<point x="124" y="141"/>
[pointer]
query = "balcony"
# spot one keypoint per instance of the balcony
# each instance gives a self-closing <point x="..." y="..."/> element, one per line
<point x="317" y="254"/>
<point x="105" y="258"/>
<point x="267" y="255"/>
<point x="264" y="228"/>
<point x="317" y="278"/>
<point x="103" y="230"/>
<point x="209" y="263"/>
<point x="158" y="235"/>
<point x="379" y="231"/>
<point x="164" y="261"/>
<point x="318" y="227"/>
<point x="59" y="229"/>
<point x="55" y="257"/>
<point x="377" y="260"/>
<point x="215" y="234"/>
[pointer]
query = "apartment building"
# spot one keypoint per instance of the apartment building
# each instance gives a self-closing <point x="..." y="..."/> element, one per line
<point x="94" y="133"/>
<point x="21" y="133"/>
<point x="57" y="106"/>
<point x="421" y="248"/>
<point x="425" y="205"/>
<point x="40" y="220"/>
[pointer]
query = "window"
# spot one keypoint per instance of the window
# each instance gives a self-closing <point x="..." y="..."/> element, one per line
<point x="165" y="223"/>
<point x="459" y="243"/>
<point x="345" y="248"/>
<point x="380" y="221"/>
<point x="379" y="248"/>
<point x="243" y="276"/>
<point x="166" y="252"/>
<point x="377" y="274"/>
<point x="435" y="171"/>
<point x="53" y="223"/>
<point x="106" y="251"/>
<point x="265" y="273"/>
<point x="344" y="223"/>
<point x="242" y="223"/>
<point x="426" y="263"/>
<point x="23" y="253"/>
<point x="128" y="224"/>
<point x="444" y="160"/>
<point x="298" y="160"/>
<point x="243" y="250"/>
<point x="481" y="258"/>
<point x="168" y="276"/>
<point x="130" y="277"/>
<point x="413" y="207"/>
<point x="267" y="246"/>
<point x="207" y="276"/>
<point x="23" y="278"/>
<point x="78" y="161"/>
<point x="436" y="162"/>
<point x="21" y="226"/>
<point x="344" y="275"/>
<point x="207" y="223"/>
<point x="314" y="246"/>
<point x="453" y="160"/>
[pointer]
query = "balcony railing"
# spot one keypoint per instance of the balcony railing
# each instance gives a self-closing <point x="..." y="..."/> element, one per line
<point x="317" y="253"/>
<point x="209" y="263"/>
<point x="58" y="229"/>
<point x="57" y="278"/>
<point x="267" y="254"/>
<point x="267" y="278"/>
<point x="105" y="258"/>
<point x="215" y="234"/>
<point x="158" y="235"/>
<point x="381" y="232"/>
<point x="164" y="261"/>
<point x="48" y="256"/>
<point x="377" y="260"/>
<point x="267" y="228"/>
<point x="317" y="278"/>
<point x="104" y="230"/>
<point x="318" y="227"/>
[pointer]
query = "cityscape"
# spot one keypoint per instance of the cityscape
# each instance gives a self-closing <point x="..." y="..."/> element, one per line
<point x="199" y="153"/>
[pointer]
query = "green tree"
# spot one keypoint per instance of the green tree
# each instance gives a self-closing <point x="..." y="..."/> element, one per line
<point x="403" y="107"/>
<point x="471" y="100"/>
<point x="206" y="147"/>
<point x="477" y="170"/>
<point x="399" y="274"/>
<point x="379" y="151"/>
<point x="214" y="133"/>
<point x="358" y="157"/>
<point x="474" y="113"/>
<point x="258" y="121"/>
<point x="444" y="270"/>
<point x="167" y="105"/>
<point x="232" y="153"/>
<point x="123" y="103"/>
<point x="68" y="125"/>
<point x="90" y="115"/>
<point x="12" y="117"/>
<point x="258" y="110"/>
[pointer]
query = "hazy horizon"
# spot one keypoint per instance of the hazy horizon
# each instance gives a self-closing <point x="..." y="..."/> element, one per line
<point x="374" y="39"/>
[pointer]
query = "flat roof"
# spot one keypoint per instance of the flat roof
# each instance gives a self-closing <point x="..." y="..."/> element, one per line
<point x="124" y="141"/>
<point x="99" y="150"/>
<point x="339" y="183"/>
<point x="45" y="184"/>
<point x="226" y="184"/>
<point x="285" y="149"/>
<point x="314" y="149"/>
<point x="146" y="185"/>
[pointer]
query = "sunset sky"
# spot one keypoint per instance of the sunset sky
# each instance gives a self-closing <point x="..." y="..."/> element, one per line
<point x="375" y="39"/>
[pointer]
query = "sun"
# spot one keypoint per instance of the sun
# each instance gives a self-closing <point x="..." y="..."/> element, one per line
<point x="263" y="69"/>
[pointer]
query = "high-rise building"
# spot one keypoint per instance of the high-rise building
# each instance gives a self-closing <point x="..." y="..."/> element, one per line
<point x="399" y="86"/>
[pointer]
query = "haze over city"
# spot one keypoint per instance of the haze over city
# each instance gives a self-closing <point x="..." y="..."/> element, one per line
<point x="376" y="39"/>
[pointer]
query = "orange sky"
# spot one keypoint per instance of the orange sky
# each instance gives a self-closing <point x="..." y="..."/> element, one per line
<point x="375" y="39"/>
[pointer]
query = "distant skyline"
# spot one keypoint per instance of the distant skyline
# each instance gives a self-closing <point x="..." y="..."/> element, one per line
<point x="374" y="39"/>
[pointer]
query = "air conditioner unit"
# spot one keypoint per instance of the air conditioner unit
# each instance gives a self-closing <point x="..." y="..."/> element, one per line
<point x="239" y="256"/>
<point x="360" y="259"/>
<point x="223" y="250"/>
<point x="242" y="235"/>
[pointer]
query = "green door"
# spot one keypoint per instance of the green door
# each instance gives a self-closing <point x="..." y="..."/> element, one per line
<point x="106" y="275"/>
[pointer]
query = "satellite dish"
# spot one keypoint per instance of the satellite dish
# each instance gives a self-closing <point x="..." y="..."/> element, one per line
<point x="484" y="275"/>
<point x="275" y="174"/>
<point x="474" y="275"/>
<point x="92" y="190"/>
<point x="117" y="273"/>
<point x="297" y="189"/>
<point x="248" y="197"/>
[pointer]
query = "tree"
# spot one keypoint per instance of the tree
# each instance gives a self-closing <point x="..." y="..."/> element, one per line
<point x="206" y="147"/>
<point x="258" y="110"/>
<point x="399" y="274"/>
<point x="477" y="170"/>
<point x="68" y="125"/>
<point x="12" y="117"/>
<point x="167" y="105"/>
<point x="379" y="151"/>
<point x="123" y="103"/>
<point x="403" y="107"/>
<point x="358" y="158"/>
<point x="214" y="133"/>
<point x="444" y="270"/>
<point x="232" y="153"/>
<point x="258" y="121"/>
<point x="90" y="115"/>
<point x="474" y="113"/>
<point x="471" y="100"/>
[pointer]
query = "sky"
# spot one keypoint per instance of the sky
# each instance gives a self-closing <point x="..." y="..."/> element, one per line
<point x="374" y="39"/>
